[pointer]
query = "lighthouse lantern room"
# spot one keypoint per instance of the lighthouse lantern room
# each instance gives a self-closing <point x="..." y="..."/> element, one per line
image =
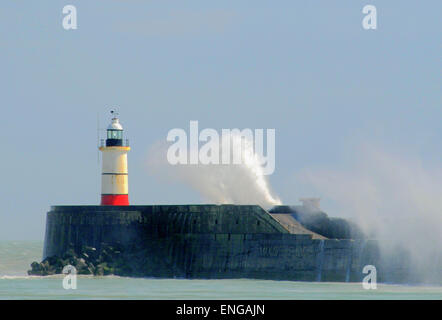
<point x="114" y="176"/>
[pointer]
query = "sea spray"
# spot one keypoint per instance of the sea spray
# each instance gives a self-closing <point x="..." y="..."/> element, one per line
<point x="395" y="199"/>
<point x="243" y="183"/>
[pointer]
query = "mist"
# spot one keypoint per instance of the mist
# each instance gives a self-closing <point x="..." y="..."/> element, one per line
<point x="393" y="198"/>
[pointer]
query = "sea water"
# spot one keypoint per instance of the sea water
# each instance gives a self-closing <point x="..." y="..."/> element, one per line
<point x="16" y="256"/>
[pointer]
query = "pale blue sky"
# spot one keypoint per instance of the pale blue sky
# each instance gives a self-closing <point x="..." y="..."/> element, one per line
<point x="305" y="68"/>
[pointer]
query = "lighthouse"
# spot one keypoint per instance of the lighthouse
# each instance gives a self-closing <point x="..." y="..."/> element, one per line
<point x="114" y="178"/>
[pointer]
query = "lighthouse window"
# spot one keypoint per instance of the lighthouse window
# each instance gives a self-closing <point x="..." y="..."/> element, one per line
<point x="115" y="134"/>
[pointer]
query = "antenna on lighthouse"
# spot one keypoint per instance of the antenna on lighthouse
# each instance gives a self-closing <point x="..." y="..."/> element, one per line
<point x="98" y="138"/>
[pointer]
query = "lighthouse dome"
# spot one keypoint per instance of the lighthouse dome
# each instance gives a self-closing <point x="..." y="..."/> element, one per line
<point x="115" y="125"/>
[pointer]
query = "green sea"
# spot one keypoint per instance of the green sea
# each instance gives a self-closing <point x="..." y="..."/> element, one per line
<point x="16" y="256"/>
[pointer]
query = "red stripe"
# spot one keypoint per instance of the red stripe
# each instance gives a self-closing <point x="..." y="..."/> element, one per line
<point x="114" y="200"/>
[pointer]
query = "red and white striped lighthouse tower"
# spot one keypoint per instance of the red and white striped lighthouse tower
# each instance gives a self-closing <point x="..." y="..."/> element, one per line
<point x="114" y="182"/>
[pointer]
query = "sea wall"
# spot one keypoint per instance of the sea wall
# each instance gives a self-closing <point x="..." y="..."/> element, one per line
<point x="207" y="241"/>
<point x="92" y="225"/>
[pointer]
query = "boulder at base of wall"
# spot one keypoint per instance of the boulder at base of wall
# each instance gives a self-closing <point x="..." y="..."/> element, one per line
<point x="87" y="261"/>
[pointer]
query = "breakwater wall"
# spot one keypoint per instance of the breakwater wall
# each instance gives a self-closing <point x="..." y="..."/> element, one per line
<point x="208" y="241"/>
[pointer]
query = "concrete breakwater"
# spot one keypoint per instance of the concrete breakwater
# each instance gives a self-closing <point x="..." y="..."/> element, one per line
<point x="207" y="241"/>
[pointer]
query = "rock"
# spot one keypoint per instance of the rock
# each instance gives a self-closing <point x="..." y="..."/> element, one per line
<point x="36" y="269"/>
<point x="45" y="264"/>
<point x="36" y="266"/>
<point x="109" y="260"/>
<point x="82" y="267"/>
<point x="90" y="252"/>
<point x="80" y="263"/>
<point x="103" y="269"/>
